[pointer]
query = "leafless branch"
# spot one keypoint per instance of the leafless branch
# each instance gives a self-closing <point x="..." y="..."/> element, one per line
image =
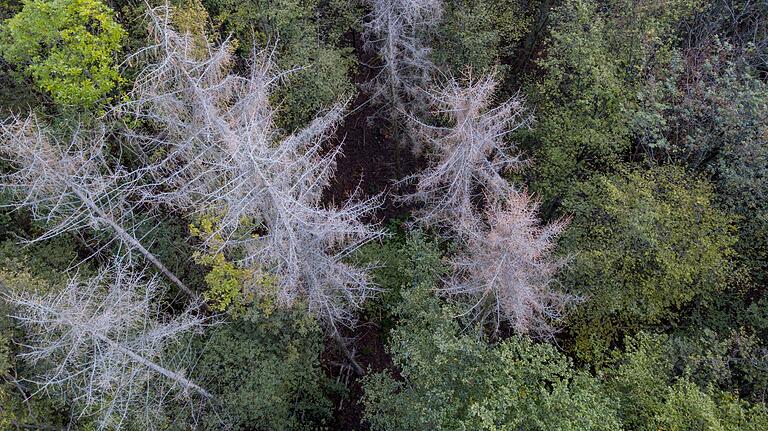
<point x="223" y="155"/>
<point x="104" y="341"/>
<point x="70" y="185"/>
<point x="396" y="31"/>
<point x="507" y="270"/>
<point x="468" y="156"/>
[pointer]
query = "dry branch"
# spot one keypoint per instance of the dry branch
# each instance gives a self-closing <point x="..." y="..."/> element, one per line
<point x="468" y="156"/>
<point x="225" y="157"/>
<point x="104" y="342"/>
<point x="70" y="185"/>
<point x="397" y="31"/>
<point x="507" y="270"/>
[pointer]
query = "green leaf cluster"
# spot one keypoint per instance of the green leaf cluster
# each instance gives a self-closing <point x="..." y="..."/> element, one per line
<point x="320" y="66"/>
<point x="68" y="48"/>
<point x="652" y="397"/>
<point x="452" y="378"/>
<point x="645" y="244"/>
<point x="265" y="372"/>
<point x="595" y="58"/>
<point x="480" y="35"/>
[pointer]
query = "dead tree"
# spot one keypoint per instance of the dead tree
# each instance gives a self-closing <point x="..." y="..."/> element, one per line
<point x="396" y="31"/>
<point x="506" y="271"/>
<point x="468" y="156"/>
<point x="71" y="185"/>
<point x="104" y="342"/>
<point x="226" y="157"/>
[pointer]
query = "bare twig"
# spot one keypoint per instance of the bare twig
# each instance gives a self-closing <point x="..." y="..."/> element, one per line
<point x="104" y="342"/>
<point x="71" y="185"/>
<point x="224" y="156"/>
<point x="468" y="156"/>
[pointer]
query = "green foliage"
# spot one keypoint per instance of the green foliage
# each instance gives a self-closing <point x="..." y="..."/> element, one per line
<point x="21" y="407"/>
<point x="595" y="59"/>
<point x="711" y="114"/>
<point x="455" y="380"/>
<point x="265" y="372"/>
<point x="14" y="93"/>
<point x="46" y="260"/>
<point x="68" y="47"/>
<point x="397" y="263"/>
<point x="322" y="68"/>
<point x="226" y="282"/>
<point x="645" y="244"/>
<point x="480" y="34"/>
<point x="337" y="18"/>
<point x="652" y="398"/>
<point x="724" y="344"/>
<point x="322" y="81"/>
<point x="729" y="360"/>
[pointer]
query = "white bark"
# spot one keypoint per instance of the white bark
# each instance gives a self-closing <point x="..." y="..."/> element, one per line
<point x="227" y="159"/>
<point x="468" y="157"/>
<point x="397" y="31"/>
<point x="71" y="185"/>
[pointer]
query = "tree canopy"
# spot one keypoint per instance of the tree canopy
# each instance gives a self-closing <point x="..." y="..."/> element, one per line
<point x="384" y="215"/>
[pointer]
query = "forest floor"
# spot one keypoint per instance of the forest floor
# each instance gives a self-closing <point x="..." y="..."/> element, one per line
<point x="369" y="165"/>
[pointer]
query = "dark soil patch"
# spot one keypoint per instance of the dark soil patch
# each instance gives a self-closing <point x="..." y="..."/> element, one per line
<point x="370" y="165"/>
<point x="367" y="346"/>
<point x="371" y="162"/>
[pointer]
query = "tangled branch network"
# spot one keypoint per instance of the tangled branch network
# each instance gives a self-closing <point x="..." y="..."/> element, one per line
<point x="222" y="155"/>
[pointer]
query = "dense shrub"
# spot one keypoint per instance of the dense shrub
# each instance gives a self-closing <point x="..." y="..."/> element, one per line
<point x="652" y="398"/>
<point x="320" y="66"/>
<point x="645" y="244"/>
<point x="455" y="380"/>
<point x="265" y="371"/>
<point x="711" y="114"/>
<point x="481" y="34"/>
<point x="67" y="47"/>
<point x="596" y="57"/>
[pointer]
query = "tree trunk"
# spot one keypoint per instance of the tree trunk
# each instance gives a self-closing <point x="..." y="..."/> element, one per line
<point x="176" y="377"/>
<point x="345" y="351"/>
<point x="135" y="243"/>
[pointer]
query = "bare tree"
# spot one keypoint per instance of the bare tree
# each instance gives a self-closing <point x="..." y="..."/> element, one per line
<point x="104" y="342"/>
<point x="226" y="157"/>
<point x="71" y="185"/>
<point x="468" y="156"/>
<point x="396" y="31"/>
<point x="507" y="269"/>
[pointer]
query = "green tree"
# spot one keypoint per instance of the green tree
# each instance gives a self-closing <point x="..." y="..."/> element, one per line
<point x="710" y="112"/>
<point x="264" y="370"/>
<point x="306" y="44"/>
<point x="454" y="380"/>
<point x="653" y="398"/>
<point x="480" y="34"/>
<point x="67" y="47"/>
<point x="644" y="245"/>
<point x="596" y="57"/>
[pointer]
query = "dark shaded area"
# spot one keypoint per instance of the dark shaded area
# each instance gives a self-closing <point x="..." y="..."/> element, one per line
<point x="368" y="166"/>
<point x="367" y="344"/>
<point x="369" y="161"/>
